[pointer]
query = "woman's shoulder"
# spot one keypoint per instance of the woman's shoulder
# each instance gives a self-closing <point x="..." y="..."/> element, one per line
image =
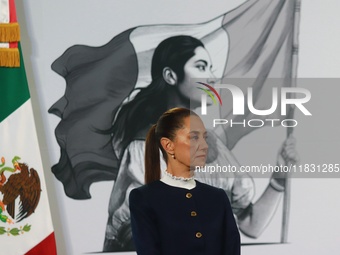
<point x="147" y="188"/>
<point x="213" y="197"/>
<point x="134" y="147"/>
<point x="208" y="188"/>
<point x="146" y="192"/>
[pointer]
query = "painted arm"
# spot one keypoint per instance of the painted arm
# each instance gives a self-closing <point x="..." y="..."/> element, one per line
<point x="255" y="218"/>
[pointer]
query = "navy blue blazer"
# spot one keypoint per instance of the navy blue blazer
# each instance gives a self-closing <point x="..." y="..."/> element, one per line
<point x="168" y="220"/>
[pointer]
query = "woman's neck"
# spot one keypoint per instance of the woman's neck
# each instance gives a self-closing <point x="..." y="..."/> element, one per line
<point x="178" y="171"/>
<point x="180" y="182"/>
<point x="176" y="100"/>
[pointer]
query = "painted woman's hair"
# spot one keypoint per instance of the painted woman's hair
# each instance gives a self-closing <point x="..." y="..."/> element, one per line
<point x="166" y="126"/>
<point x="152" y="101"/>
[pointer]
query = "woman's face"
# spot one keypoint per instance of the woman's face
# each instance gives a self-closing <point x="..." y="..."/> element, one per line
<point x="190" y="146"/>
<point x="197" y="67"/>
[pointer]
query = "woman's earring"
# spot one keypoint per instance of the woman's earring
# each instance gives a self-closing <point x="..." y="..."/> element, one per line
<point x="173" y="156"/>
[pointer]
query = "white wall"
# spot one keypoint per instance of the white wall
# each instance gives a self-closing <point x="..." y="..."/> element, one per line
<point x="49" y="27"/>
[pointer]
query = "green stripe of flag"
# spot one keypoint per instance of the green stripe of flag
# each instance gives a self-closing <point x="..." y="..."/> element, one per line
<point x="13" y="88"/>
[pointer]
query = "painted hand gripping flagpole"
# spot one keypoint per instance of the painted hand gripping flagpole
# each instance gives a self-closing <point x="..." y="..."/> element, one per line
<point x="287" y="192"/>
<point x="25" y="219"/>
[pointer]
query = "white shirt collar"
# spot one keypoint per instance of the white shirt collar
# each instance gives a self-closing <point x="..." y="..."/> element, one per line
<point x="189" y="184"/>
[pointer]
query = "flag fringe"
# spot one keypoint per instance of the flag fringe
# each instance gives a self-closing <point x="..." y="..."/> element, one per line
<point x="9" y="57"/>
<point x="9" y="32"/>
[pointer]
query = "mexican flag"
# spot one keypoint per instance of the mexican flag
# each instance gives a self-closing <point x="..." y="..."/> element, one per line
<point x="25" y="218"/>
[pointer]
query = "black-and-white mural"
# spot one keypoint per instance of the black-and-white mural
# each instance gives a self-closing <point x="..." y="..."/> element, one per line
<point x="111" y="69"/>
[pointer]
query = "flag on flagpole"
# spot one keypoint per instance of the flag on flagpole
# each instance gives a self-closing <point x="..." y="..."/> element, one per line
<point x="252" y="41"/>
<point x="25" y="218"/>
<point x="261" y="57"/>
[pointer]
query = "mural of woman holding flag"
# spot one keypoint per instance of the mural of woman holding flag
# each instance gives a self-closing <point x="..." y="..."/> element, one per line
<point x="100" y="79"/>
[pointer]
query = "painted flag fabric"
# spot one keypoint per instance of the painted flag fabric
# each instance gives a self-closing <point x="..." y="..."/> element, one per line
<point x="25" y="218"/>
<point x="261" y="56"/>
<point x="252" y="41"/>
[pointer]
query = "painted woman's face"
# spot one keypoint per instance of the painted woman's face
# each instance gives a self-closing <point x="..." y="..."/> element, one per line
<point x="190" y="143"/>
<point x="197" y="67"/>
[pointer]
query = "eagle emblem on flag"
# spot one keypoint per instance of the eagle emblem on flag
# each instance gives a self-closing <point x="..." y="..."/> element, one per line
<point x="20" y="191"/>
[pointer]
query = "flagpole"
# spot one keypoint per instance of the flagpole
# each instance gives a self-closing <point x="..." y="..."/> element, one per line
<point x="287" y="192"/>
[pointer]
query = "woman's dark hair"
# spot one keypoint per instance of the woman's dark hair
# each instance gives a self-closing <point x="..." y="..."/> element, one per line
<point x="166" y="126"/>
<point x="152" y="101"/>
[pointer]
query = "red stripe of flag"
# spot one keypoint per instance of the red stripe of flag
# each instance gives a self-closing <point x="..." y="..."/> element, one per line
<point x="46" y="246"/>
<point x="12" y="19"/>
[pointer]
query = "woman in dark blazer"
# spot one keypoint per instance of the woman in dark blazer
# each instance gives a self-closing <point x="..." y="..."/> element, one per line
<point x="175" y="214"/>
